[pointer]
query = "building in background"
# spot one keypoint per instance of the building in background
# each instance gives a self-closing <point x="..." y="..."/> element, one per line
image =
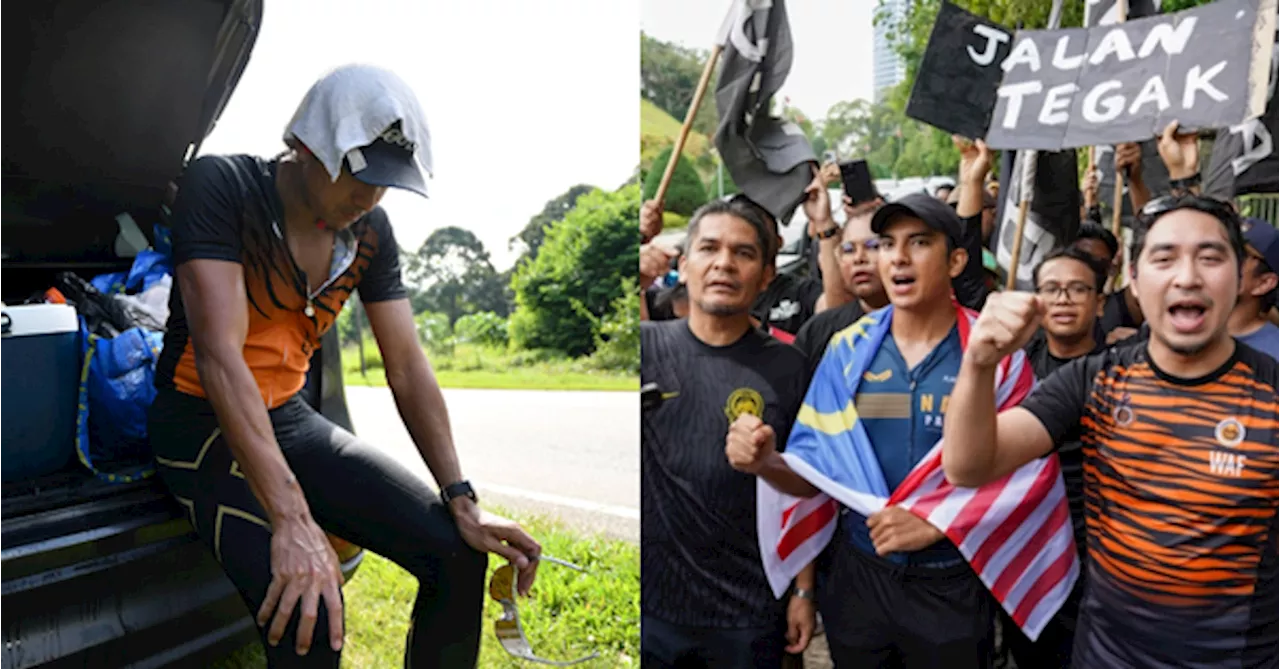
<point x="888" y="67"/>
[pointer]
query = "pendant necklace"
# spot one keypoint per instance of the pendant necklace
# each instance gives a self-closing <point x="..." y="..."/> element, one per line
<point x="310" y="310"/>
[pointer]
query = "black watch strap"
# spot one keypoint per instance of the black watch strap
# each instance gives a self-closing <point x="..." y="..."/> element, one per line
<point x="829" y="232"/>
<point x="455" y="490"/>
<point x="1183" y="185"/>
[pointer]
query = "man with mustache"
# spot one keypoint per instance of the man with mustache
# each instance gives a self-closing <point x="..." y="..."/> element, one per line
<point x="704" y="597"/>
<point x="1070" y="284"/>
<point x="1179" y="434"/>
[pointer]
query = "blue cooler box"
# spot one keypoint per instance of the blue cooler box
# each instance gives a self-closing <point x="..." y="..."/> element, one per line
<point x="39" y="384"/>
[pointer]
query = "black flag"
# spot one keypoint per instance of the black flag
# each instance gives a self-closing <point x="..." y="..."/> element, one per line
<point x="1244" y="156"/>
<point x="767" y="157"/>
<point x="1053" y="219"/>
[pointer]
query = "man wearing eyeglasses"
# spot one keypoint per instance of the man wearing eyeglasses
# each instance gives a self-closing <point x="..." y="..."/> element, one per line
<point x="1179" y="434"/>
<point x="1070" y="283"/>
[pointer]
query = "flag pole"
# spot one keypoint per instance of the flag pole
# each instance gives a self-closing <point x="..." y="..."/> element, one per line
<point x="1028" y="179"/>
<point x="1024" y="207"/>
<point x="698" y="94"/>
<point x="1117" y="198"/>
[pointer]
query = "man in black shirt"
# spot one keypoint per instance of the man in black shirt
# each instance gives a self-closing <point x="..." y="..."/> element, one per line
<point x="705" y="601"/>
<point x="266" y="254"/>
<point x="1070" y="284"/>
<point x="857" y="261"/>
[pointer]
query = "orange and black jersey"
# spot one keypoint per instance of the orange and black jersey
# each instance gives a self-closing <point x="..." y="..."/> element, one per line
<point x="1181" y="507"/>
<point x="229" y="209"/>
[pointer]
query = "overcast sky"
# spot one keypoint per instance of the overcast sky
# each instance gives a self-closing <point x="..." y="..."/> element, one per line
<point x="523" y="99"/>
<point x="832" y="44"/>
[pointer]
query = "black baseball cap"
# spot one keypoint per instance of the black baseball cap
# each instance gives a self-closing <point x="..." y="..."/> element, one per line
<point x="934" y="212"/>
<point x="388" y="161"/>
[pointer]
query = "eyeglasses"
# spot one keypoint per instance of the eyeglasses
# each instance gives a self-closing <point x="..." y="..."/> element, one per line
<point x="847" y="248"/>
<point x="510" y="633"/>
<point x="1165" y="204"/>
<point x="1075" y="291"/>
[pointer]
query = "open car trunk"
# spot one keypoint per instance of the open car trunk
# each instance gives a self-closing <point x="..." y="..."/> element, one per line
<point x="112" y="100"/>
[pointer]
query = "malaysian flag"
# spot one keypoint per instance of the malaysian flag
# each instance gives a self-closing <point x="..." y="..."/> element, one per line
<point x="1015" y="532"/>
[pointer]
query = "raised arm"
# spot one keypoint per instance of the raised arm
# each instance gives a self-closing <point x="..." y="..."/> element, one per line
<point x="979" y="446"/>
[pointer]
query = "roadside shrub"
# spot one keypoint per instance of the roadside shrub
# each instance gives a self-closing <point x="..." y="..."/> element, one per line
<point x="435" y="333"/>
<point x="485" y="328"/>
<point x="686" y="192"/>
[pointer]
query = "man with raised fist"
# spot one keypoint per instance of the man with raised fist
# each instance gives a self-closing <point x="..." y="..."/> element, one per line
<point x="705" y="601"/>
<point x="1179" y="433"/>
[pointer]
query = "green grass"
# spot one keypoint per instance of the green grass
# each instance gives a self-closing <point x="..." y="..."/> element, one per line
<point x="472" y="366"/>
<point x="567" y="615"/>
<point x="657" y="122"/>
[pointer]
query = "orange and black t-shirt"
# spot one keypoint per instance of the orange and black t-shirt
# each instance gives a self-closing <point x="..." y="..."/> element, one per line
<point x="228" y="209"/>
<point x="1181" y="507"/>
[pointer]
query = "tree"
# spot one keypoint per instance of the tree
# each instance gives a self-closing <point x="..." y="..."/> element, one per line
<point x="531" y="237"/>
<point x="686" y="192"/>
<point x="562" y="294"/>
<point x="669" y="76"/>
<point x="453" y="270"/>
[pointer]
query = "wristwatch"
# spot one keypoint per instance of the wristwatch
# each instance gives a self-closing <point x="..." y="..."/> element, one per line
<point x="829" y="232"/>
<point x="802" y="594"/>
<point x="1184" y="185"/>
<point x="459" y="489"/>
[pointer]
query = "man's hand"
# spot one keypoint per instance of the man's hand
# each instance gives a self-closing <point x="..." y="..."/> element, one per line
<point x="1089" y="187"/>
<point x="896" y="530"/>
<point x="802" y="620"/>
<point x="831" y="173"/>
<point x="975" y="160"/>
<point x="304" y="568"/>
<point x="650" y="219"/>
<point x="852" y="211"/>
<point x="1180" y="152"/>
<point x="749" y="443"/>
<point x="1006" y="323"/>
<point x="817" y="204"/>
<point x="654" y="261"/>
<point x="488" y="533"/>
<point x="1129" y="160"/>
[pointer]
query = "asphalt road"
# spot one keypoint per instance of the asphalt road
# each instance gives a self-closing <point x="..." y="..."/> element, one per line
<point x="574" y="456"/>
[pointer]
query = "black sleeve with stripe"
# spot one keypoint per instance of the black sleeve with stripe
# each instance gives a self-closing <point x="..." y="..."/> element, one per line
<point x="382" y="282"/>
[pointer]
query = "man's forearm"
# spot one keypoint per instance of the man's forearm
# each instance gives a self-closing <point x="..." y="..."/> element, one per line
<point x="1139" y="194"/>
<point x="834" y="293"/>
<point x="969" y="432"/>
<point x="421" y="405"/>
<point x="777" y="473"/>
<point x="806" y="580"/>
<point x="246" y="427"/>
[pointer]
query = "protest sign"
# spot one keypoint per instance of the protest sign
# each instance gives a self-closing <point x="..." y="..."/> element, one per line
<point x="955" y="89"/>
<point x="1244" y="156"/>
<point x="1126" y="82"/>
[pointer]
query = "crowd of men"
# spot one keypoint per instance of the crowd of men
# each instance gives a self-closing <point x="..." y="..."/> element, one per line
<point x="1158" y="399"/>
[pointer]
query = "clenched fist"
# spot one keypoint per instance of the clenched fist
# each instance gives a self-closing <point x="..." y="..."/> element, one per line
<point x="749" y="443"/>
<point x="1006" y="323"/>
<point x="650" y="220"/>
<point x="896" y="530"/>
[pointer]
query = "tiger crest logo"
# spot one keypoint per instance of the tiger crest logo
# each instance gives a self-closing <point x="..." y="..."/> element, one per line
<point x="744" y="401"/>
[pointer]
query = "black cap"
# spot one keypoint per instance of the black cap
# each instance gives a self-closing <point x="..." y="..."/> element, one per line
<point x="389" y="162"/>
<point x="934" y="212"/>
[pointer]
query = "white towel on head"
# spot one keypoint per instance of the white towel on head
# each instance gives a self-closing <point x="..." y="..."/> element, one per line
<point x="353" y="105"/>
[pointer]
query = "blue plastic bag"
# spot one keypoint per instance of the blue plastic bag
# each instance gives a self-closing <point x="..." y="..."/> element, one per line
<point x="117" y="387"/>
